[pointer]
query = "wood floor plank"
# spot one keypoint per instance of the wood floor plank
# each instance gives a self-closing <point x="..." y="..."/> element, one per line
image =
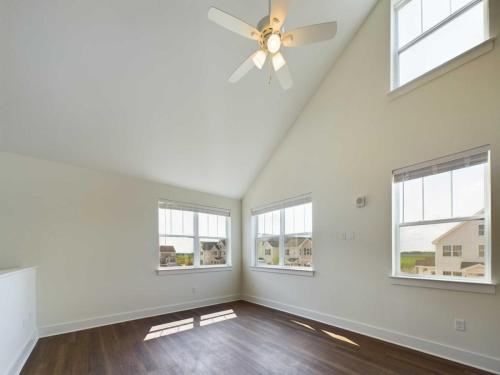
<point x="248" y="339"/>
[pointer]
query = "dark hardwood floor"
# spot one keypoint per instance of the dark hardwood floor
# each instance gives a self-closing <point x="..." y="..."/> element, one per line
<point x="233" y="338"/>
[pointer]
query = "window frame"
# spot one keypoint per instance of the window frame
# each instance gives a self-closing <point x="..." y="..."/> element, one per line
<point x="396" y="51"/>
<point x="196" y="209"/>
<point x="396" y="224"/>
<point x="281" y="207"/>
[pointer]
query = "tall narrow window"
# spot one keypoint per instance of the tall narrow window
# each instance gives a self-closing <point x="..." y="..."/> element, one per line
<point x="283" y="234"/>
<point x="193" y="236"/>
<point x="428" y="33"/>
<point x="441" y="217"/>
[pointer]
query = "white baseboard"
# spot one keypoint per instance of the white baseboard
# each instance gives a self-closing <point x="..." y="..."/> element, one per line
<point x="56" y="329"/>
<point x="20" y="360"/>
<point x="455" y="354"/>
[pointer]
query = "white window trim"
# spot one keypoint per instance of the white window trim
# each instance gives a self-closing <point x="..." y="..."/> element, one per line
<point x="429" y="281"/>
<point x="396" y="90"/>
<point x="297" y="271"/>
<point x="446" y="284"/>
<point x="481" y="49"/>
<point x="281" y="268"/>
<point x="195" y="208"/>
<point x="164" y="271"/>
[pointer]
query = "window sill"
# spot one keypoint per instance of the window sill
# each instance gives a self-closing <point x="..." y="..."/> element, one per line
<point x="164" y="271"/>
<point x="469" y="55"/>
<point x="457" y="285"/>
<point x="284" y="270"/>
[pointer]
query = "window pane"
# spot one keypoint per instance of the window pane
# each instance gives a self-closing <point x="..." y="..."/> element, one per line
<point x="409" y="22"/>
<point x="434" y="11"/>
<point x="203" y="224"/>
<point x="298" y="219"/>
<point x="308" y="218"/>
<point x="412" y="201"/>
<point x="268" y="251"/>
<point x="298" y="251"/>
<point x="437" y="196"/>
<point x="177" y="222"/>
<point x="221" y="226"/>
<point x="268" y="224"/>
<point x="442" y="249"/>
<point x="212" y="225"/>
<point x="458" y="4"/>
<point x="212" y="252"/>
<point x="176" y="251"/>
<point x="188" y="221"/>
<point x="468" y="191"/>
<point x="161" y="221"/>
<point x="452" y="39"/>
<point x="276" y="222"/>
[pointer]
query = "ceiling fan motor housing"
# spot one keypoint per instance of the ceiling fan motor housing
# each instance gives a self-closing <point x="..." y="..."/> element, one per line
<point x="266" y="30"/>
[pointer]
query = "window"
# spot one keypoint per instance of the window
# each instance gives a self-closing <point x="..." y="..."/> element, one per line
<point x="447" y="251"/>
<point x="283" y="234"/>
<point x="441" y="217"/>
<point x="429" y="33"/>
<point x="481" y="251"/>
<point x="193" y="236"/>
<point x="457" y="251"/>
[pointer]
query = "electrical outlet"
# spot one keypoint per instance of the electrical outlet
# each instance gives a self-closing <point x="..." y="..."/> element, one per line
<point x="460" y="325"/>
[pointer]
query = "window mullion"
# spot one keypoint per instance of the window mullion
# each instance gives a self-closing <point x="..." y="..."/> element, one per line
<point x="423" y="199"/>
<point x="451" y="193"/>
<point x="196" y="260"/>
<point x="282" y="238"/>
<point x="421" y="17"/>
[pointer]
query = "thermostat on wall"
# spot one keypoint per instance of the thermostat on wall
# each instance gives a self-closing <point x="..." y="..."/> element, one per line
<point x="360" y="202"/>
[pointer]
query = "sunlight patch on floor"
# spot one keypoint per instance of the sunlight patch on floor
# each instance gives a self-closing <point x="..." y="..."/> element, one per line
<point x="303" y="325"/>
<point x="217" y="317"/>
<point x="187" y="324"/>
<point x="340" y="337"/>
<point x="169" y="328"/>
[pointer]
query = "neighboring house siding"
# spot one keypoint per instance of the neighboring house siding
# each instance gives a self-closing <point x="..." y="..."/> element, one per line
<point x="298" y="252"/>
<point x="213" y="253"/>
<point x="469" y="264"/>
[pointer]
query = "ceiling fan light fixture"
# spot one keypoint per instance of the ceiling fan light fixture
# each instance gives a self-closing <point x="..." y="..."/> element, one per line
<point x="259" y="58"/>
<point x="278" y="61"/>
<point x="273" y="43"/>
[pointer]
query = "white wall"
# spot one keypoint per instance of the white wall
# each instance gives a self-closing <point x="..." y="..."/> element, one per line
<point x="345" y="143"/>
<point x="17" y="318"/>
<point x="93" y="236"/>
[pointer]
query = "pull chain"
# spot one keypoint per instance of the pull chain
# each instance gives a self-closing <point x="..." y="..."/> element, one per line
<point x="270" y="74"/>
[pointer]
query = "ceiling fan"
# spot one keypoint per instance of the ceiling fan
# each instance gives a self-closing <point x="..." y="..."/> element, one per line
<point x="271" y="36"/>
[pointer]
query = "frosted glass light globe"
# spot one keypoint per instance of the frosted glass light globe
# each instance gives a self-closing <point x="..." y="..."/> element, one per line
<point x="273" y="43"/>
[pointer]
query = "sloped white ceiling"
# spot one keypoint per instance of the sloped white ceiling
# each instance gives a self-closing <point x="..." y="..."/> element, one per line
<point x="140" y="86"/>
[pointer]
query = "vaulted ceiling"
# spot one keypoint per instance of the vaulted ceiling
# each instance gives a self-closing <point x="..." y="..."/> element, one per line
<point x="140" y="86"/>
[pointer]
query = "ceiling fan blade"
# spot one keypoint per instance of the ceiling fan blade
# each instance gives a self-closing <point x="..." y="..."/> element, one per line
<point x="310" y="34"/>
<point x="253" y="60"/>
<point x="232" y="23"/>
<point x="282" y="72"/>
<point x="278" y="10"/>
